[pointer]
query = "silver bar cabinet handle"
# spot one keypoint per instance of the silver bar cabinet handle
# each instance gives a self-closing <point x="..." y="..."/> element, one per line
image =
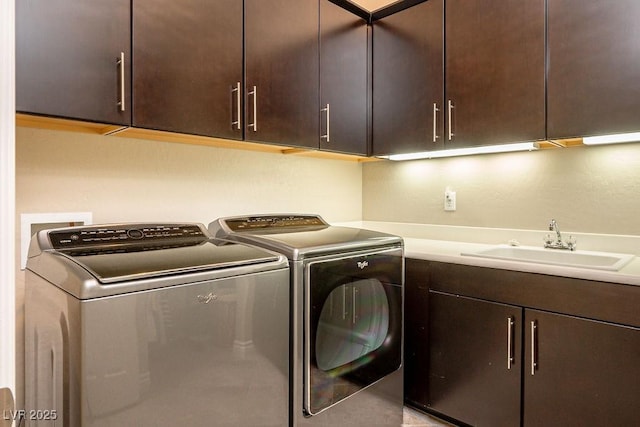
<point x="120" y="63"/>
<point x="254" y="125"/>
<point x="450" y="108"/>
<point x="237" y="123"/>
<point x="510" y="324"/>
<point x="534" y="331"/>
<point x="327" y="135"/>
<point x="435" y="122"/>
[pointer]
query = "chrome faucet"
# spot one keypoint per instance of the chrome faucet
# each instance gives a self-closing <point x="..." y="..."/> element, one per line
<point x="553" y="225"/>
<point x="558" y="243"/>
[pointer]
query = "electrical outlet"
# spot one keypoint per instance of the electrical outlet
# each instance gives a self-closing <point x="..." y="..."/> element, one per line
<point x="449" y="200"/>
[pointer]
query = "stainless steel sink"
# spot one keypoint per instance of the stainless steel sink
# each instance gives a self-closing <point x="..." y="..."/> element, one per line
<point x="580" y="259"/>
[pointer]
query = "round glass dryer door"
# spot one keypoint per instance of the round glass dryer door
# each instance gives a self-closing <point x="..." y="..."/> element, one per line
<point x="353" y="325"/>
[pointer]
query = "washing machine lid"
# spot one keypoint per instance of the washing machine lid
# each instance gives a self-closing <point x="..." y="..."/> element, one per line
<point x="299" y="235"/>
<point x="125" y="252"/>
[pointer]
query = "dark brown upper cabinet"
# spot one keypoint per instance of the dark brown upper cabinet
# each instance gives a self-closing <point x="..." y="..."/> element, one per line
<point x="495" y="72"/>
<point x="490" y="89"/>
<point x="282" y="72"/>
<point x="343" y="80"/>
<point x="408" y="80"/>
<point x="594" y="68"/>
<point x="187" y="67"/>
<point x="73" y="59"/>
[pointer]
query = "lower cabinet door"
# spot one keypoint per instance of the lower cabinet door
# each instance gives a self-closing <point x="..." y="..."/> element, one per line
<point x="416" y="331"/>
<point x="475" y="360"/>
<point x="580" y="372"/>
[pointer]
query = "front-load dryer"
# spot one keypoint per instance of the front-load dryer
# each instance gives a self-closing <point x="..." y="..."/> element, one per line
<point x="347" y="316"/>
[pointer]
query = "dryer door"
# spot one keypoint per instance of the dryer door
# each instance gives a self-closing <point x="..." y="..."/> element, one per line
<point x="353" y="324"/>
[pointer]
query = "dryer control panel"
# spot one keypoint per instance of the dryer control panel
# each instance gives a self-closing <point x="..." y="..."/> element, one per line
<point x="261" y="222"/>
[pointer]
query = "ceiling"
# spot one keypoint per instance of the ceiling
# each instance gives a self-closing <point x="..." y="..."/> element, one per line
<point x="372" y="5"/>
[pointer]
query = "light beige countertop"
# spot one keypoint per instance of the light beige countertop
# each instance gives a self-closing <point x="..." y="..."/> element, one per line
<point x="447" y="243"/>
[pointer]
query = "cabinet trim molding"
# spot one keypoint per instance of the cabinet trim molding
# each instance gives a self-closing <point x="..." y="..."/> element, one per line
<point x="53" y="123"/>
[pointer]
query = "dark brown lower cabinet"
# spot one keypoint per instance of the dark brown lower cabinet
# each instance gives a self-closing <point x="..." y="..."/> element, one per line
<point x="586" y="373"/>
<point x="507" y="348"/>
<point x="474" y="360"/>
<point x="416" y="331"/>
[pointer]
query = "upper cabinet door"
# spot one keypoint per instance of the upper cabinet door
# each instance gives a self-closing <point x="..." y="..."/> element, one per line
<point x="187" y="66"/>
<point x="495" y="71"/>
<point x="343" y="80"/>
<point x="281" y="66"/>
<point x="594" y="67"/>
<point x="73" y="59"/>
<point x="408" y="80"/>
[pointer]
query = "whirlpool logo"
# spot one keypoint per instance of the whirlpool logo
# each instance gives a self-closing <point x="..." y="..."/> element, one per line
<point x="363" y="264"/>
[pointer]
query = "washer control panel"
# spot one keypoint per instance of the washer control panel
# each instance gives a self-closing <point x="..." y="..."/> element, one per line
<point x="125" y="234"/>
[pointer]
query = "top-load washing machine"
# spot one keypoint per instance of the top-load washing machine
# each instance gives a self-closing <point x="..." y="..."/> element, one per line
<point x="347" y="316"/>
<point x="154" y="325"/>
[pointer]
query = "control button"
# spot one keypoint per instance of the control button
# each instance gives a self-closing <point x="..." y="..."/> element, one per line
<point x="135" y="234"/>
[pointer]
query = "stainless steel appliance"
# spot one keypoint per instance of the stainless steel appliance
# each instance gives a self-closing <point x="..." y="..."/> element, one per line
<point x="347" y="314"/>
<point x="154" y="325"/>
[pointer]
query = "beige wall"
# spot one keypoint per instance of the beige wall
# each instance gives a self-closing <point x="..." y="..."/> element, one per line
<point x="121" y="179"/>
<point x="586" y="189"/>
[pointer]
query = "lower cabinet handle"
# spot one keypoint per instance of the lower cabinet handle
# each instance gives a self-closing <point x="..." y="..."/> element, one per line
<point x="534" y="340"/>
<point x="237" y="123"/>
<point x="327" y="135"/>
<point x="254" y="125"/>
<point x="435" y="122"/>
<point x="450" y="108"/>
<point x="120" y="62"/>
<point x="510" y="324"/>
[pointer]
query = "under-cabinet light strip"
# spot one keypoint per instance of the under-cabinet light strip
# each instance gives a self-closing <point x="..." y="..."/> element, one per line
<point x="611" y="139"/>
<point x="487" y="149"/>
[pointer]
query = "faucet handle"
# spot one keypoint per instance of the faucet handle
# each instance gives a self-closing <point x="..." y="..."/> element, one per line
<point x="547" y="239"/>
<point x="572" y="243"/>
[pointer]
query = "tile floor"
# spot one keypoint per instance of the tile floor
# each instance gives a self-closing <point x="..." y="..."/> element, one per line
<point x="413" y="418"/>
